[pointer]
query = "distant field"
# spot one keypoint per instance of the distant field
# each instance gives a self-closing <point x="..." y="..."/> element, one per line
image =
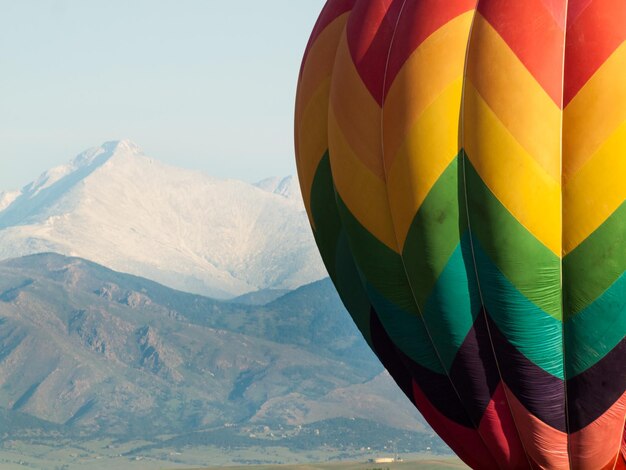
<point x="425" y="464"/>
<point x="105" y="454"/>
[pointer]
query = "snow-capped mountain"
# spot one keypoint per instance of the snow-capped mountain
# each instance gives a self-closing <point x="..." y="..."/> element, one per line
<point x="7" y="197"/>
<point x="122" y="209"/>
<point x="287" y="187"/>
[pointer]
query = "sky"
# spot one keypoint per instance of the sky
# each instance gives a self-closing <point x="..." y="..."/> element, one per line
<point x="202" y="84"/>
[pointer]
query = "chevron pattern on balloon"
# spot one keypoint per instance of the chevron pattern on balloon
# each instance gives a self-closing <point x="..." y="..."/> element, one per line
<point x="463" y="167"/>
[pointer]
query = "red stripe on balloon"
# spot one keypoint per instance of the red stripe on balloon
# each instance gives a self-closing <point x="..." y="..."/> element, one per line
<point x="498" y="424"/>
<point x="616" y="463"/>
<point x="331" y="11"/>
<point x="534" y="32"/>
<point x="621" y="462"/>
<point x="370" y="30"/>
<point x="555" y="8"/>
<point x="465" y="442"/>
<point x="593" y="34"/>
<point x="418" y="21"/>
<point x="575" y="9"/>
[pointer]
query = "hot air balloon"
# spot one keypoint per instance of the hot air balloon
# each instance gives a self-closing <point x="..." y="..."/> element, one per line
<point x="463" y="167"/>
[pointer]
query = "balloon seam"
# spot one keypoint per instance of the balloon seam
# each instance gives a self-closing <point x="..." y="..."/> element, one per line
<point x="382" y="149"/>
<point x="563" y="319"/>
<point x="471" y="239"/>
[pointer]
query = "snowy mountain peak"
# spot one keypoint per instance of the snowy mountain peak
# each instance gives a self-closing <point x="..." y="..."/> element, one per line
<point x="17" y="207"/>
<point x="124" y="146"/>
<point x="112" y="151"/>
<point x="41" y="197"/>
<point x="114" y="148"/>
<point x="82" y="165"/>
<point x="7" y="198"/>
<point x="120" y="208"/>
<point x="284" y="186"/>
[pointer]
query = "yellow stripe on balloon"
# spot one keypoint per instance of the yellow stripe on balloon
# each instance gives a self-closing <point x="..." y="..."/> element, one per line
<point x="594" y="113"/>
<point x="518" y="181"/>
<point x="430" y="146"/>
<point x="430" y="69"/>
<point x="319" y="62"/>
<point x="356" y="111"/>
<point x="312" y="140"/>
<point x="517" y="99"/>
<point x="595" y="191"/>
<point x="364" y="193"/>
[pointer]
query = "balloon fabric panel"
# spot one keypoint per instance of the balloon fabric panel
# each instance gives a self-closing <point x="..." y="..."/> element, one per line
<point x="463" y="169"/>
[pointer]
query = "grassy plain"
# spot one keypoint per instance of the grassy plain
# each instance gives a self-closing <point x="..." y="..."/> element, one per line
<point x="104" y="455"/>
<point x="448" y="463"/>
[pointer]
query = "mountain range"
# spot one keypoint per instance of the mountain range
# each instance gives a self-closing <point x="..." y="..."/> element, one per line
<point x="145" y="303"/>
<point x="122" y="209"/>
<point x="86" y="348"/>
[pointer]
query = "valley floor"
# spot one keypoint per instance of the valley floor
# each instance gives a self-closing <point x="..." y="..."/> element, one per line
<point x="411" y="463"/>
<point x="103" y="454"/>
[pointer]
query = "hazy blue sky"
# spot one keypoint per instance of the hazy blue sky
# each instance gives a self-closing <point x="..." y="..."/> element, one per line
<point x="200" y="83"/>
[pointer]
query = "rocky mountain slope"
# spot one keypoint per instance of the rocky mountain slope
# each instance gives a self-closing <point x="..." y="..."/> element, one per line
<point x="87" y="348"/>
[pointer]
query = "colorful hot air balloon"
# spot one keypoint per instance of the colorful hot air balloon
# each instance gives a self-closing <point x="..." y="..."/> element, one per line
<point x="463" y="166"/>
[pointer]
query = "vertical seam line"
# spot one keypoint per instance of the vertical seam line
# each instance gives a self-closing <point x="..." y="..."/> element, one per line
<point x="471" y="239"/>
<point x="562" y="292"/>
<point x="382" y="150"/>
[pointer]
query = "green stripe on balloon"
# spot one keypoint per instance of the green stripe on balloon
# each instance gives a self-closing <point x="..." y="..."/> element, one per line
<point x="434" y="234"/>
<point x="595" y="264"/>
<point x="351" y="289"/>
<point x="435" y="265"/>
<point x="529" y="266"/>
<point x="332" y="243"/>
<point x="594" y="332"/>
<point x="407" y="331"/>
<point x="452" y="307"/>
<point x="389" y="292"/>
<point x="534" y="333"/>
<point x="325" y="216"/>
<point x="381" y="266"/>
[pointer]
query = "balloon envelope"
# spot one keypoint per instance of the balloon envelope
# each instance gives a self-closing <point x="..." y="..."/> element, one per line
<point x="463" y="167"/>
